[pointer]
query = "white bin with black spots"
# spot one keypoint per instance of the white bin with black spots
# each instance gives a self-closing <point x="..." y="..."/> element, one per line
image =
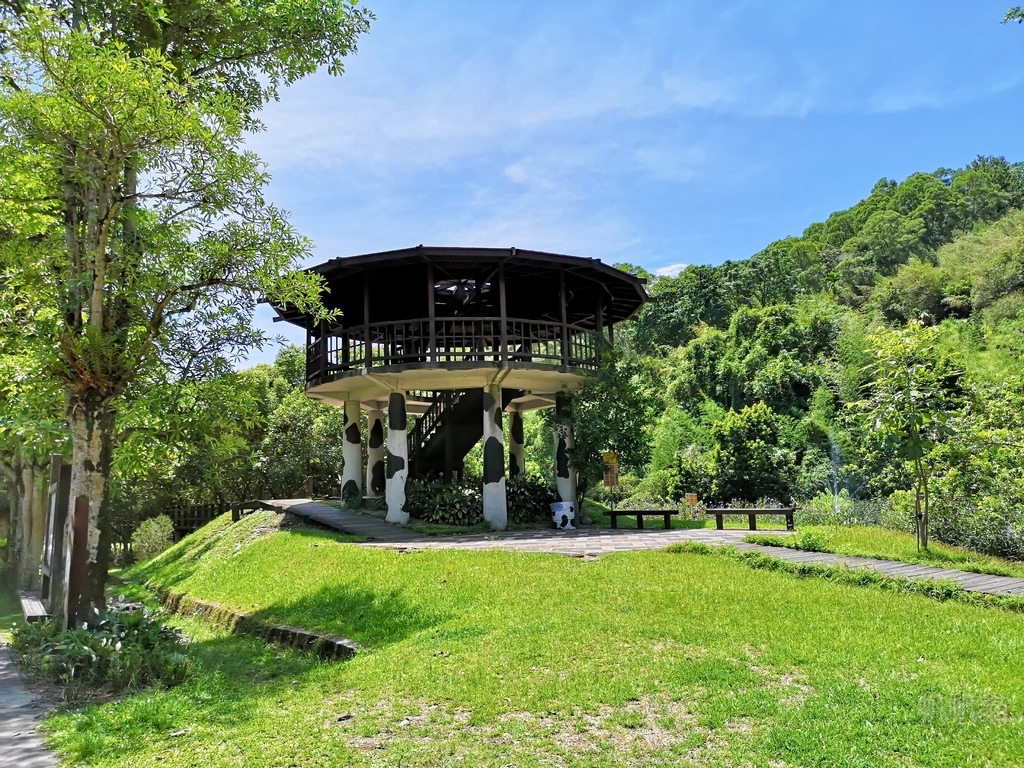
<point x="563" y="515"/>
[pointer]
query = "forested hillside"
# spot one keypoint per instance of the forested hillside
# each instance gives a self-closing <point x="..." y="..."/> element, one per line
<point x="780" y="376"/>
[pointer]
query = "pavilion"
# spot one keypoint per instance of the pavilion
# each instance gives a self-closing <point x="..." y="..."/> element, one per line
<point x="455" y="337"/>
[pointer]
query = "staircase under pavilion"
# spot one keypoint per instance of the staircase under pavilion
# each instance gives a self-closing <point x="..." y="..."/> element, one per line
<point x="436" y="345"/>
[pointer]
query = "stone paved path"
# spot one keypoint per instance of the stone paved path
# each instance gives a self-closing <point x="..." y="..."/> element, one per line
<point x="591" y="542"/>
<point x="20" y="745"/>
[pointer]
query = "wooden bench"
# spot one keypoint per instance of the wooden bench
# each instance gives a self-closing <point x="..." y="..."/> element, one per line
<point x="752" y="515"/>
<point x="640" y="514"/>
<point x="32" y="607"/>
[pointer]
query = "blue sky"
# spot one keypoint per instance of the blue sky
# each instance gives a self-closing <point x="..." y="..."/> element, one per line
<point x="655" y="133"/>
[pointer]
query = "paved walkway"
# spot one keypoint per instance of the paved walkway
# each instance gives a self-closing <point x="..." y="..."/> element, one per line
<point x="591" y="542"/>
<point x="20" y="745"/>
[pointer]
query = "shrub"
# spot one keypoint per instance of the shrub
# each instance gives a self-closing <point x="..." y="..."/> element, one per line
<point x="119" y="650"/>
<point x="437" y="501"/>
<point x="152" y="537"/>
<point x="528" y="499"/>
<point x="840" y="509"/>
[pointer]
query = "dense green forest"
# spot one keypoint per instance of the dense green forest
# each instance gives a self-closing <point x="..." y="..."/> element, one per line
<point x="868" y="365"/>
<point x="779" y="376"/>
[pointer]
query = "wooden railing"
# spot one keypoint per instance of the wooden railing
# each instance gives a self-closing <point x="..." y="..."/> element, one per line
<point x="333" y="351"/>
<point x="426" y="423"/>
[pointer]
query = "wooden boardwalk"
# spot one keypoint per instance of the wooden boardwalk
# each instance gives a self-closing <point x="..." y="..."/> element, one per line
<point x="592" y="542"/>
<point x="344" y="520"/>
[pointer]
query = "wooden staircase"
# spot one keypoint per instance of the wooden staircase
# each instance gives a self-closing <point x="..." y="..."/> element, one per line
<point x="448" y="430"/>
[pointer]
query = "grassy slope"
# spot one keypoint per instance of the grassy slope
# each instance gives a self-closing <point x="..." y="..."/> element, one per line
<point x="496" y="658"/>
<point x="867" y="541"/>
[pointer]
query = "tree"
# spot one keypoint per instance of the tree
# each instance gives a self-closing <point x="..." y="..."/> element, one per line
<point x="910" y="396"/>
<point x="748" y="461"/>
<point x="142" y="218"/>
<point x="610" y="412"/>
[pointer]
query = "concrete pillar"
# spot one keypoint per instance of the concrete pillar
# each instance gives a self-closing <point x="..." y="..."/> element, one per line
<point x="375" y="454"/>
<point x="352" y="456"/>
<point x="495" y="505"/>
<point x="565" y="478"/>
<point x="516" y="446"/>
<point x="398" y="459"/>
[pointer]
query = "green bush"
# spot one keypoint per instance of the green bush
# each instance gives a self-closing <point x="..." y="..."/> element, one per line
<point x="152" y="537"/>
<point x="528" y="499"/>
<point x="437" y="501"/>
<point x="119" y="650"/>
<point x="840" y="509"/>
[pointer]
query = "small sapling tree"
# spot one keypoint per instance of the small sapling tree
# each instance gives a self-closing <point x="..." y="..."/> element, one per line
<point x="909" y="398"/>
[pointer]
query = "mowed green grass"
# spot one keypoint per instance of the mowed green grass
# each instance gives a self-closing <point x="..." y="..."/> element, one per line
<point x="869" y="541"/>
<point x="503" y="658"/>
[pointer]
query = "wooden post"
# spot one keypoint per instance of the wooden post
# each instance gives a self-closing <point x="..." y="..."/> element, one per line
<point x="431" y="298"/>
<point x="503" y="357"/>
<point x="323" y="350"/>
<point x="368" y="351"/>
<point x="565" y="318"/>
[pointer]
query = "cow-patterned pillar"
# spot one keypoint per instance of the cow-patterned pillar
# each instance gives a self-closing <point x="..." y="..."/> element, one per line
<point x="398" y="459"/>
<point x="375" y="454"/>
<point x="495" y="504"/>
<point x="516" y="446"/>
<point x="565" y="478"/>
<point x="352" y="456"/>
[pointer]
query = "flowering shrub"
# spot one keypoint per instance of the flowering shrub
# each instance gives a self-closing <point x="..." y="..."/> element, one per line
<point x="116" y="651"/>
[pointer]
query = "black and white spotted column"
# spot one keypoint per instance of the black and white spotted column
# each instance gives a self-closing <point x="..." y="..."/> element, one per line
<point x="495" y="505"/>
<point x="516" y="446"/>
<point x="565" y="478"/>
<point x="398" y="459"/>
<point x="375" y="454"/>
<point x="352" y="456"/>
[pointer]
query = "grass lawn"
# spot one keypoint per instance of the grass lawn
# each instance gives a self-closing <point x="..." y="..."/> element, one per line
<point x="505" y="658"/>
<point x="870" y="541"/>
<point x="10" y="612"/>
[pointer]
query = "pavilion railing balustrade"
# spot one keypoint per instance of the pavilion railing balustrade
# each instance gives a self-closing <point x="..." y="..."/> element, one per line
<point x="336" y="350"/>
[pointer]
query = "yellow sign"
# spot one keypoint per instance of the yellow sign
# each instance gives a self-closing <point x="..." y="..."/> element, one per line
<point x="611" y="458"/>
<point x="691" y="499"/>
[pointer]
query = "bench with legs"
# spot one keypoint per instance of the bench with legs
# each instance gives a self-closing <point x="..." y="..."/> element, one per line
<point x="752" y="515"/>
<point x="32" y="607"/>
<point x="640" y="514"/>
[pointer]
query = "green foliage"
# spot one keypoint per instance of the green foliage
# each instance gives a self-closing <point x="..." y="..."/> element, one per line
<point x="843" y="509"/>
<point x="912" y="391"/>
<point x="747" y="460"/>
<point x="153" y="536"/>
<point x="448" y="503"/>
<point x="118" y="651"/>
<point x="610" y="412"/>
<point x="527" y="498"/>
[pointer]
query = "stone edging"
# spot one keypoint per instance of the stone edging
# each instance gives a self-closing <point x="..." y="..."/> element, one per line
<point x="324" y="646"/>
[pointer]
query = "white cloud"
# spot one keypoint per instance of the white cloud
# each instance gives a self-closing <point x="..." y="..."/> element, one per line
<point x="670" y="270"/>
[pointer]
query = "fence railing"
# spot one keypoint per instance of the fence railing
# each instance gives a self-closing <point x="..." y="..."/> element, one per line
<point x="336" y="350"/>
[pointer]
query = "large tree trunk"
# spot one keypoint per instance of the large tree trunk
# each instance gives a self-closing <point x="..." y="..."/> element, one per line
<point x="92" y="425"/>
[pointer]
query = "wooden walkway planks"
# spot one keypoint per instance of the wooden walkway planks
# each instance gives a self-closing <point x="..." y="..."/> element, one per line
<point x="344" y="520"/>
